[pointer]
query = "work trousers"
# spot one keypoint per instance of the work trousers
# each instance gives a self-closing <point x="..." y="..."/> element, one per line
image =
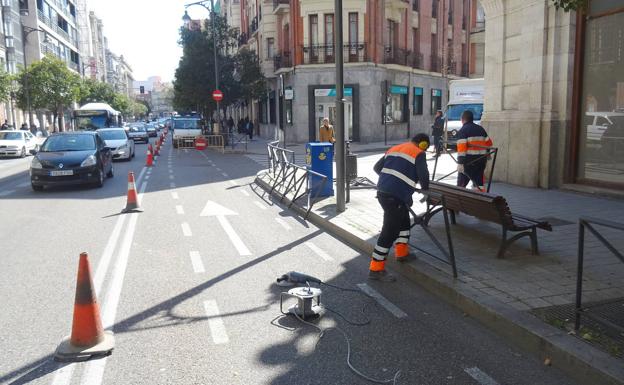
<point x="437" y="143"/>
<point x="396" y="225"/>
<point x="472" y="172"/>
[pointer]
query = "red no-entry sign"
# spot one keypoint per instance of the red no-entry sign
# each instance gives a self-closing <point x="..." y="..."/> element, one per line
<point x="200" y="143"/>
<point x="217" y="95"/>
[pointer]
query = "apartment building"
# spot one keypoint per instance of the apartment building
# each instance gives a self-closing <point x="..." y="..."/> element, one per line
<point x="119" y="74"/>
<point x="12" y="54"/>
<point x="96" y="68"/>
<point x="399" y="55"/>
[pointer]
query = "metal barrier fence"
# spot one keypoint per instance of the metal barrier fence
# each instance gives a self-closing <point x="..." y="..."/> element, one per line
<point x="588" y="223"/>
<point x="291" y="177"/>
<point x="491" y="153"/>
<point x="184" y="142"/>
<point x="215" y="141"/>
<point x="233" y="140"/>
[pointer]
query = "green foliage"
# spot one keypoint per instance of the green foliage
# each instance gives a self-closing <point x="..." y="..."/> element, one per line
<point x="570" y="5"/>
<point x="137" y="109"/>
<point x="6" y="85"/>
<point x="93" y="91"/>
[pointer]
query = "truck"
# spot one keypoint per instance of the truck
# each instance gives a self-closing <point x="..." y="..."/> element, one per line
<point x="186" y="128"/>
<point x="464" y="94"/>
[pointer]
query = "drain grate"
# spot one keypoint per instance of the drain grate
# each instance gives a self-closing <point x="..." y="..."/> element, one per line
<point x="602" y="324"/>
<point x="556" y="221"/>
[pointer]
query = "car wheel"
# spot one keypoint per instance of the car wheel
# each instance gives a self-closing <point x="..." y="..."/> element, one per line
<point x="111" y="173"/>
<point x="36" y="188"/>
<point x="133" y="154"/>
<point x="23" y="153"/>
<point x="100" y="181"/>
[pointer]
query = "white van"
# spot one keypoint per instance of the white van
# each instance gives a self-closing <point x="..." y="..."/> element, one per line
<point x="464" y="94"/>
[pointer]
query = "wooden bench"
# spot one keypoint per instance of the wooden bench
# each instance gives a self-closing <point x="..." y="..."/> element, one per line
<point x="487" y="207"/>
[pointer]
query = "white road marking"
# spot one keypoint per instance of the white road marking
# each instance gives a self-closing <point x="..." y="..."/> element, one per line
<point x="171" y="177"/>
<point x="141" y="191"/>
<point x="170" y="171"/>
<point x="480" y="376"/>
<point x="146" y="177"/>
<point x="392" y="308"/>
<point x="186" y="230"/>
<point x="196" y="261"/>
<point x="244" y="192"/>
<point x="234" y="238"/>
<point x="179" y="209"/>
<point x="318" y="251"/>
<point x="94" y="371"/>
<point x="111" y="245"/>
<point x="63" y="375"/>
<point x="233" y="183"/>
<point x="283" y="223"/>
<point x="185" y="151"/>
<point x="6" y="192"/>
<point x="215" y="322"/>
<point x="260" y="205"/>
<point x="224" y="174"/>
<point x="175" y="195"/>
<point x="172" y="185"/>
<point x="218" y="169"/>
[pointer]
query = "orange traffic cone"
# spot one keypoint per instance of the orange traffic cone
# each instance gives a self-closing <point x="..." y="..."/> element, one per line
<point x="132" y="201"/>
<point x="157" y="148"/>
<point x="149" y="161"/>
<point x="88" y="339"/>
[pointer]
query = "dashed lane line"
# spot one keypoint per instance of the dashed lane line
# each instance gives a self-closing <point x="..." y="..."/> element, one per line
<point x="196" y="261"/>
<point x="481" y="377"/>
<point x="244" y="192"/>
<point x="215" y="322"/>
<point x="283" y="223"/>
<point x="392" y="308"/>
<point x="225" y="174"/>
<point x="179" y="209"/>
<point x="260" y="205"/>
<point x="232" y="183"/>
<point x="186" y="230"/>
<point x="318" y="251"/>
<point x="175" y="195"/>
<point x="172" y="185"/>
<point x="171" y="177"/>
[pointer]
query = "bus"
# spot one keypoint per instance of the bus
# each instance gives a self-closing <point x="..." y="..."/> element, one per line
<point x="93" y="116"/>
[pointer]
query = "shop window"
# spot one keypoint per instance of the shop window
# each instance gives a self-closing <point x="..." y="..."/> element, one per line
<point x="417" y="108"/>
<point x="436" y="100"/>
<point x="263" y="112"/>
<point x="396" y="108"/>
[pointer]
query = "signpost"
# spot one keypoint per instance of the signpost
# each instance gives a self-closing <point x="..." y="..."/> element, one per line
<point x="217" y="95"/>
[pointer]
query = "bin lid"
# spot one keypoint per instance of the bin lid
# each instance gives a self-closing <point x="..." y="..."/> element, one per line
<point x="319" y="144"/>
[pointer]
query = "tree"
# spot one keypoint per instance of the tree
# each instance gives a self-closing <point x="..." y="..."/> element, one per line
<point x="6" y="85"/>
<point x="52" y="86"/>
<point x="570" y="5"/>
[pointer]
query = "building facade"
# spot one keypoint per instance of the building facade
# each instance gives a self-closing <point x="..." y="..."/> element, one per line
<point x="12" y="55"/>
<point x="119" y="74"/>
<point x="398" y="58"/>
<point x="96" y="67"/>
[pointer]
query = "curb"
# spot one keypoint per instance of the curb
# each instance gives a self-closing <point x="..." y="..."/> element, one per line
<point x="576" y="358"/>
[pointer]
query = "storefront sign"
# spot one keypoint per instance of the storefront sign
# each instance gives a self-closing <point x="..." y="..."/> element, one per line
<point x="332" y="91"/>
<point x="436" y="92"/>
<point x="289" y="94"/>
<point x="418" y="91"/>
<point x="402" y="90"/>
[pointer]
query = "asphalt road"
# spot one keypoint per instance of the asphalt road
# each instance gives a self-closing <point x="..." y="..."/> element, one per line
<point x="188" y="287"/>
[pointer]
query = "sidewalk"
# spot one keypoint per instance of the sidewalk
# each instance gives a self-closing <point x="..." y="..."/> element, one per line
<point x="514" y="287"/>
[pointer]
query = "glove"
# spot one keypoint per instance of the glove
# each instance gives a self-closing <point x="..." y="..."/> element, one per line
<point x="460" y="168"/>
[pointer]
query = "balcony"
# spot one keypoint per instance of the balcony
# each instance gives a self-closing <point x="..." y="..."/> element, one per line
<point x="416" y="60"/>
<point x="281" y="6"/>
<point x="325" y="54"/>
<point x="398" y="56"/>
<point x="436" y="64"/>
<point x="253" y="27"/>
<point x="60" y="31"/>
<point x="478" y="27"/>
<point x="282" y="60"/>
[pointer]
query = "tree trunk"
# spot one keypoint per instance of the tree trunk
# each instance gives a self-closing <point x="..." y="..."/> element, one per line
<point x="61" y="117"/>
<point x="54" y="129"/>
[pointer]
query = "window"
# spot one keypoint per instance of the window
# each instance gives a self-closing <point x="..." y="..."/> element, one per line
<point x="353" y="33"/>
<point x="434" y="53"/>
<point x="416" y="5"/>
<point x="436" y="100"/>
<point x="393" y="36"/>
<point x="396" y="108"/>
<point x="417" y="108"/>
<point x="314" y="35"/>
<point x="329" y="37"/>
<point x="450" y="12"/>
<point x="270" y="48"/>
<point x="434" y="9"/>
<point x="416" y="47"/>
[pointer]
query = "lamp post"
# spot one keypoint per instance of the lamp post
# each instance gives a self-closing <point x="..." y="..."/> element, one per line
<point x="25" y="32"/>
<point x="186" y="18"/>
<point x="340" y="126"/>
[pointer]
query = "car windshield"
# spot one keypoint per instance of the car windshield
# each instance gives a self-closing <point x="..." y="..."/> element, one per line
<point x="69" y="143"/>
<point x="113" y="135"/>
<point x="137" y="129"/>
<point x="10" y="136"/>
<point x="185" y="123"/>
<point x="454" y="111"/>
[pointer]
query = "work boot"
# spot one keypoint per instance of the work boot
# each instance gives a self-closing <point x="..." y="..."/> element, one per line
<point x="381" y="276"/>
<point x="401" y="252"/>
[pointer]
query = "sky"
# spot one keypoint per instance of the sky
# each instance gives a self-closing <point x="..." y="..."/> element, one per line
<point x="146" y="32"/>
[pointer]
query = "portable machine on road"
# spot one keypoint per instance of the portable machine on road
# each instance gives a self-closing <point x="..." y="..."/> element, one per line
<point x="464" y="94"/>
<point x="185" y="130"/>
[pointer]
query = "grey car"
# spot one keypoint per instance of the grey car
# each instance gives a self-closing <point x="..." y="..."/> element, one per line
<point x="138" y="134"/>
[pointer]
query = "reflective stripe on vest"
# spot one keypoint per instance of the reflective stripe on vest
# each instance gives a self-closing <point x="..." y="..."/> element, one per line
<point x="407" y="151"/>
<point x="465" y="146"/>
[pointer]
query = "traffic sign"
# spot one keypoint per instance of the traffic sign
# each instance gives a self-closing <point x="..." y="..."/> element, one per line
<point x="217" y="95"/>
<point x="200" y="144"/>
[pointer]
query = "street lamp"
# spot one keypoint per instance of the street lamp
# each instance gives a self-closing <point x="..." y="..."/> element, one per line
<point x="187" y="19"/>
<point x="46" y="39"/>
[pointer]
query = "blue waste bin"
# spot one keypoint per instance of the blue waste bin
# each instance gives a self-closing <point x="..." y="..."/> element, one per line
<point x="319" y="156"/>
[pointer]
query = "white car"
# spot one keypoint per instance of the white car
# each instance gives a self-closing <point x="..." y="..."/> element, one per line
<point x="17" y="143"/>
<point x="117" y="139"/>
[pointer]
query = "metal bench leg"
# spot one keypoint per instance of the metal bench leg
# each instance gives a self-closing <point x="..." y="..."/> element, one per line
<point x="503" y="246"/>
<point x="534" y="249"/>
<point x="453" y="220"/>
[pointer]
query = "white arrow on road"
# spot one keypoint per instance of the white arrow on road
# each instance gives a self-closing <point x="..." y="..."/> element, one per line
<point x="213" y="209"/>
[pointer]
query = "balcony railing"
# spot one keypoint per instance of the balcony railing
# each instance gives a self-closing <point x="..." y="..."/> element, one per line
<point x="282" y="60"/>
<point x="253" y="27"/>
<point x="280" y="3"/>
<point x="393" y="55"/>
<point x="416" y="60"/>
<point x="46" y="20"/>
<point x="479" y="26"/>
<point x="64" y="8"/>
<point x="325" y="54"/>
<point x="464" y="69"/>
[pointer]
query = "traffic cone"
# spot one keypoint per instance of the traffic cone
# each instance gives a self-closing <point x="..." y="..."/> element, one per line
<point x="88" y="339"/>
<point x="132" y="202"/>
<point x="157" y="148"/>
<point x="149" y="161"/>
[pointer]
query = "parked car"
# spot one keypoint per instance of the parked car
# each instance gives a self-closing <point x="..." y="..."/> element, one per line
<point x="118" y="140"/>
<point x="138" y="134"/>
<point x="151" y="129"/>
<point x="71" y="158"/>
<point x="17" y="143"/>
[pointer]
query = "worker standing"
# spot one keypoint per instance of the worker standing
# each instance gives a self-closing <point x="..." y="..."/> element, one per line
<point x="400" y="169"/>
<point x="472" y="149"/>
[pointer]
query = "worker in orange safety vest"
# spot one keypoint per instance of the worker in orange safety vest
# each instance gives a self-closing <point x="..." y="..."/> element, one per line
<point x="472" y="148"/>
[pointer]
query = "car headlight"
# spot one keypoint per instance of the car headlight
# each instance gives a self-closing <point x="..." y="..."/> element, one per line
<point x="36" y="164"/>
<point x="123" y="147"/>
<point x="89" y="161"/>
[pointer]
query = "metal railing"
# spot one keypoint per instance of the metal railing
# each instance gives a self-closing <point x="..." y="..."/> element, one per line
<point x="491" y="153"/>
<point x="326" y="54"/>
<point x="283" y="60"/>
<point x="292" y="178"/>
<point x="215" y="141"/>
<point x="233" y="140"/>
<point x="277" y="3"/>
<point x="589" y="223"/>
<point x="436" y="64"/>
<point x="394" y="55"/>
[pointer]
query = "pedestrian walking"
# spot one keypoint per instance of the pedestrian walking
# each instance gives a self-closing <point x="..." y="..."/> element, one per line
<point x="5" y="125"/>
<point x="249" y="127"/>
<point x="24" y="127"/>
<point x="399" y="170"/>
<point x="230" y="124"/>
<point x="437" y="131"/>
<point x="472" y="149"/>
<point x="326" y="132"/>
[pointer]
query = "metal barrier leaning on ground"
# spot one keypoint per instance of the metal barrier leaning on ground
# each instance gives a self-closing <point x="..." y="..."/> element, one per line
<point x="215" y="141"/>
<point x="491" y="152"/>
<point x="588" y="223"/>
